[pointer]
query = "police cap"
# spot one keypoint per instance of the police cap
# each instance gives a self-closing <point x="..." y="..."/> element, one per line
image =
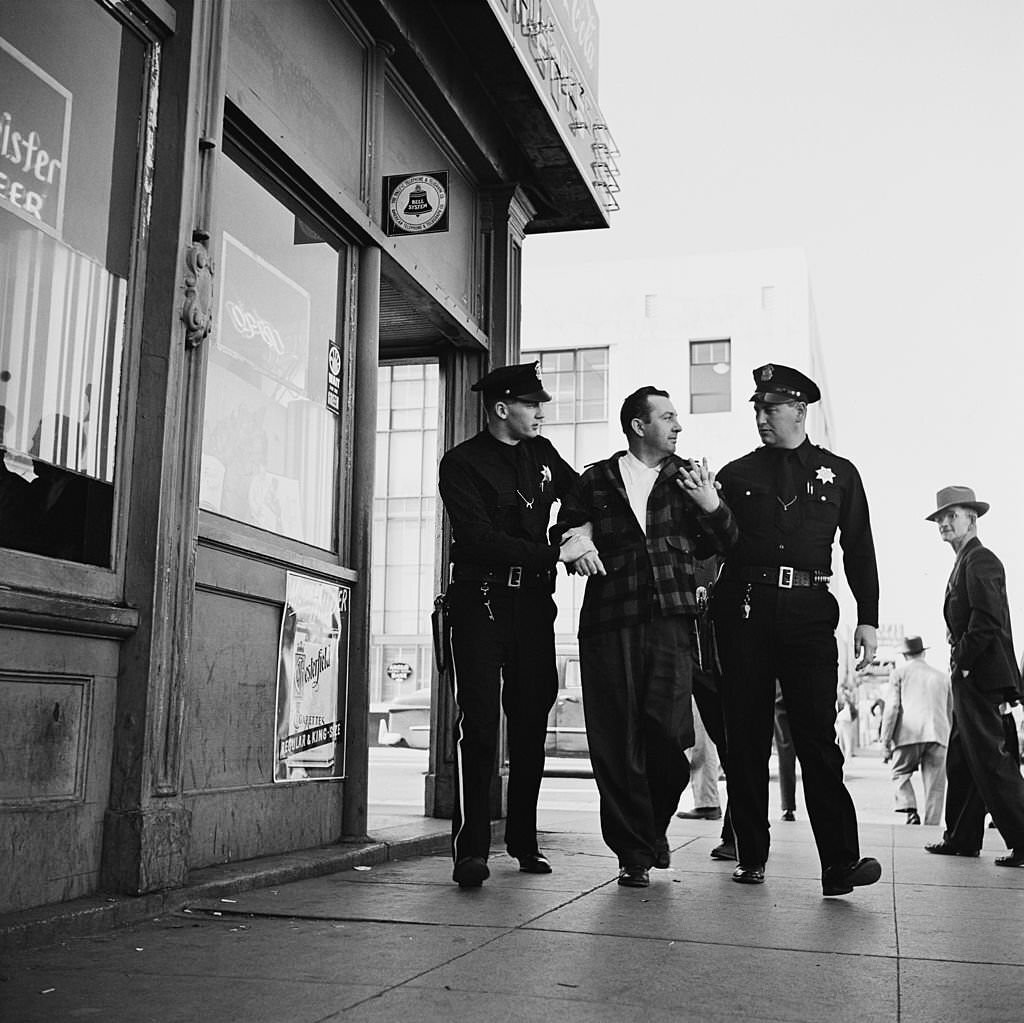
<point x="776" y="384"/>
<point x="521" y="382"/>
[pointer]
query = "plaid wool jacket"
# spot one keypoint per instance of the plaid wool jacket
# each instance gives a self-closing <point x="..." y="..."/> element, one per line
<point x="646" y="574"/>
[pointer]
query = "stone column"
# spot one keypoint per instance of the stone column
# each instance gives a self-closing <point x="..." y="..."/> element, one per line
<point x="146" y="827"/>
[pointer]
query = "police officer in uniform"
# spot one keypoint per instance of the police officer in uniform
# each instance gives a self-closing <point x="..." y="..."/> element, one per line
<point x="498" y="488"/>
<point x="775" y="618"/>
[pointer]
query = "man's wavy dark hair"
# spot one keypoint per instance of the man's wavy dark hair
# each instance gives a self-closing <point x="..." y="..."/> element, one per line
<point x="636" y="406"/>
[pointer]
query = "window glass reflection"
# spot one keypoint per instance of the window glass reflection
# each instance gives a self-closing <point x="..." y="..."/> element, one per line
<point x="69" y="123"/>
<point x="270" y="431"/>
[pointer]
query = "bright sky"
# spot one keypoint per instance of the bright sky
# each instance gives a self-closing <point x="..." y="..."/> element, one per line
<point x="886" y="139"/>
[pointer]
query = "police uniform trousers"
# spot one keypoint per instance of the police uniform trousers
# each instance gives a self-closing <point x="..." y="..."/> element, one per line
<point x="502" y="645"/>
<point x="790" y="636"/>
<point x="636" y="699"/>
<point x="982" y="771"/>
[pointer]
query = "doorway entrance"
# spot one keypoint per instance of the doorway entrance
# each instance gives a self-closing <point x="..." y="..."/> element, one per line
<point x="402" y="597"/>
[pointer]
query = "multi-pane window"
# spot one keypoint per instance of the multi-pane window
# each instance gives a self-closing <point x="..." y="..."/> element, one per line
<point x="576" y="419"/>
<point x="404" y="522"/>
<point x="710" y="376"/>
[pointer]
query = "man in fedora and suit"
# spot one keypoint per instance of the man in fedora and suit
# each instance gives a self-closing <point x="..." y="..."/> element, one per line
<point x="980" y="770"/>
<point x="915" y="731"/>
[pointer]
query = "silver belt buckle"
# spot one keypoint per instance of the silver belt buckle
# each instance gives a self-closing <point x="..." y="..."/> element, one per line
<point x="515" y="577"/>
<point x="785" y="577"/>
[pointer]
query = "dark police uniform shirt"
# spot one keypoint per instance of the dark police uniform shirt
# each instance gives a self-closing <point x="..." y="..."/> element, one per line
<point x="825" y="495"/>
<point x="499" y="497"/>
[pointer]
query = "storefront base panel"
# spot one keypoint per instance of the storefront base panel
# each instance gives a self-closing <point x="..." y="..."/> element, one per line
<point x="147" y="850"/>
<point x="57" y="694"/>
<point x="240" y="825"/>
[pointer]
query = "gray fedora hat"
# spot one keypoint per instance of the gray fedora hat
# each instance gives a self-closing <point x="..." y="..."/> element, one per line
<point x="955" y="496"/>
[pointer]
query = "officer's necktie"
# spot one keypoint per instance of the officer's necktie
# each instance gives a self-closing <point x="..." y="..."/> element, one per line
<point x="524" y="478"/>
<point x="787" y="513"/>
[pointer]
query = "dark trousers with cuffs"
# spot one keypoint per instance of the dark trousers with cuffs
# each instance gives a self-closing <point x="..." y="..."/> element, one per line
<point x="709" y="702"/>
<point x="509" y="663"/>
<point x="636" y="698"/>
<point x="982" y="772"/>
<point x="789" y="636"/>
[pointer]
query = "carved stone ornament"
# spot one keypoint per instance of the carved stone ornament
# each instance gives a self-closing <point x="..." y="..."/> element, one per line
<point x="197" y="310"/>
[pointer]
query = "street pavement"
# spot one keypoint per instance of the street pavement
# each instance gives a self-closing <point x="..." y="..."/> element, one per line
<point x="384" y="938"/>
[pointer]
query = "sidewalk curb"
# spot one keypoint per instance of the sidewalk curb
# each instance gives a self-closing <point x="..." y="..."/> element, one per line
<point x="95" y="914"/>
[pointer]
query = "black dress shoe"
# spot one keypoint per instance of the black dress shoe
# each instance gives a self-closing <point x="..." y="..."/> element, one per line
<point x="470" y="872"/>
<point x="789" y="815"/>
<point x="535" y="863"/>
<point x="725" y="851"/>
<point x="912" y="817"/>
<point x="662" y="856"/>
<point x="748" y="875"/>
<point x="1014" y="859"/>
<point x="701" y="813"/>
<point x="634" y="876"/>
<point x="842" y="880"/>
<point x="944" y="848"/>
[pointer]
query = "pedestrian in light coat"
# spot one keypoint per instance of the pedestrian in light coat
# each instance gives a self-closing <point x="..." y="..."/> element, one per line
<point x="915" y="731"/>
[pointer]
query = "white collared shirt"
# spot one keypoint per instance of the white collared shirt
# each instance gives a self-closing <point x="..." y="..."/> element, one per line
<point x="639" y="481"/>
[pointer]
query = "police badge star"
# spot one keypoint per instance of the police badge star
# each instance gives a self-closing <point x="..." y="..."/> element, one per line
<point x="825" y="475"/>
<point x="545" y="477"/>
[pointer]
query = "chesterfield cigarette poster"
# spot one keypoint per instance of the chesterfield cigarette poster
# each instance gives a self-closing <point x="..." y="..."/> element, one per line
<point x="312" y="680"/>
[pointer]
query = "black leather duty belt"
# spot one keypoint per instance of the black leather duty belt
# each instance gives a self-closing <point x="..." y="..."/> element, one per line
<point x="782" y="576"/>
<point x="514" y="577"/>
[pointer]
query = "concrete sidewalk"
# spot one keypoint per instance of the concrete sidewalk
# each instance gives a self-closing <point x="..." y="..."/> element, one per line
<point x="936" y="939"/>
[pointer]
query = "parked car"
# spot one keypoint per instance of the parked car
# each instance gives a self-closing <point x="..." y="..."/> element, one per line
<point x="408" y="721"/>
<point x="408" y="718"/>
<point x="567" y="730"/>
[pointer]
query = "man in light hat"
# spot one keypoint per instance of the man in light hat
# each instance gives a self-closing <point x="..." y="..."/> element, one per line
<point x="776" y="619"/>
<point x="915" y="731"/>
<point x="498" y="488"/>
<point x="981" y="771"/>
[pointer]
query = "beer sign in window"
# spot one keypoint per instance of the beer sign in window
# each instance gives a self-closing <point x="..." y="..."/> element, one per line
<point x="35" y="121"/>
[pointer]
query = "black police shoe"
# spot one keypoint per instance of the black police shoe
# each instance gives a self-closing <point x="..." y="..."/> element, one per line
<point x="841" y="880"/>
<point x="535" y="863"/>
<point x="471" y="872"/>
<point x="701" y="813"/>
<point x="1015" y="858"/>
<point x="725" y="851"/>
<point x="944" y="848"/>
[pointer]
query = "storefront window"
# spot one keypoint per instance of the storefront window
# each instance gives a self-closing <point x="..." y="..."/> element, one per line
<point x="69" y="141"/>
<point x="270" y="432"/>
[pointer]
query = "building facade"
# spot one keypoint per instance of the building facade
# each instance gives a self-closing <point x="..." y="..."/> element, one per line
<point x="695" y="327"/>
<point x="220" y="222"/>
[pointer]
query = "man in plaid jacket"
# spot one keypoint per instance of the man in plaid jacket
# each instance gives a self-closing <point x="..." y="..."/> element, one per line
<point x="652" y="515"/>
